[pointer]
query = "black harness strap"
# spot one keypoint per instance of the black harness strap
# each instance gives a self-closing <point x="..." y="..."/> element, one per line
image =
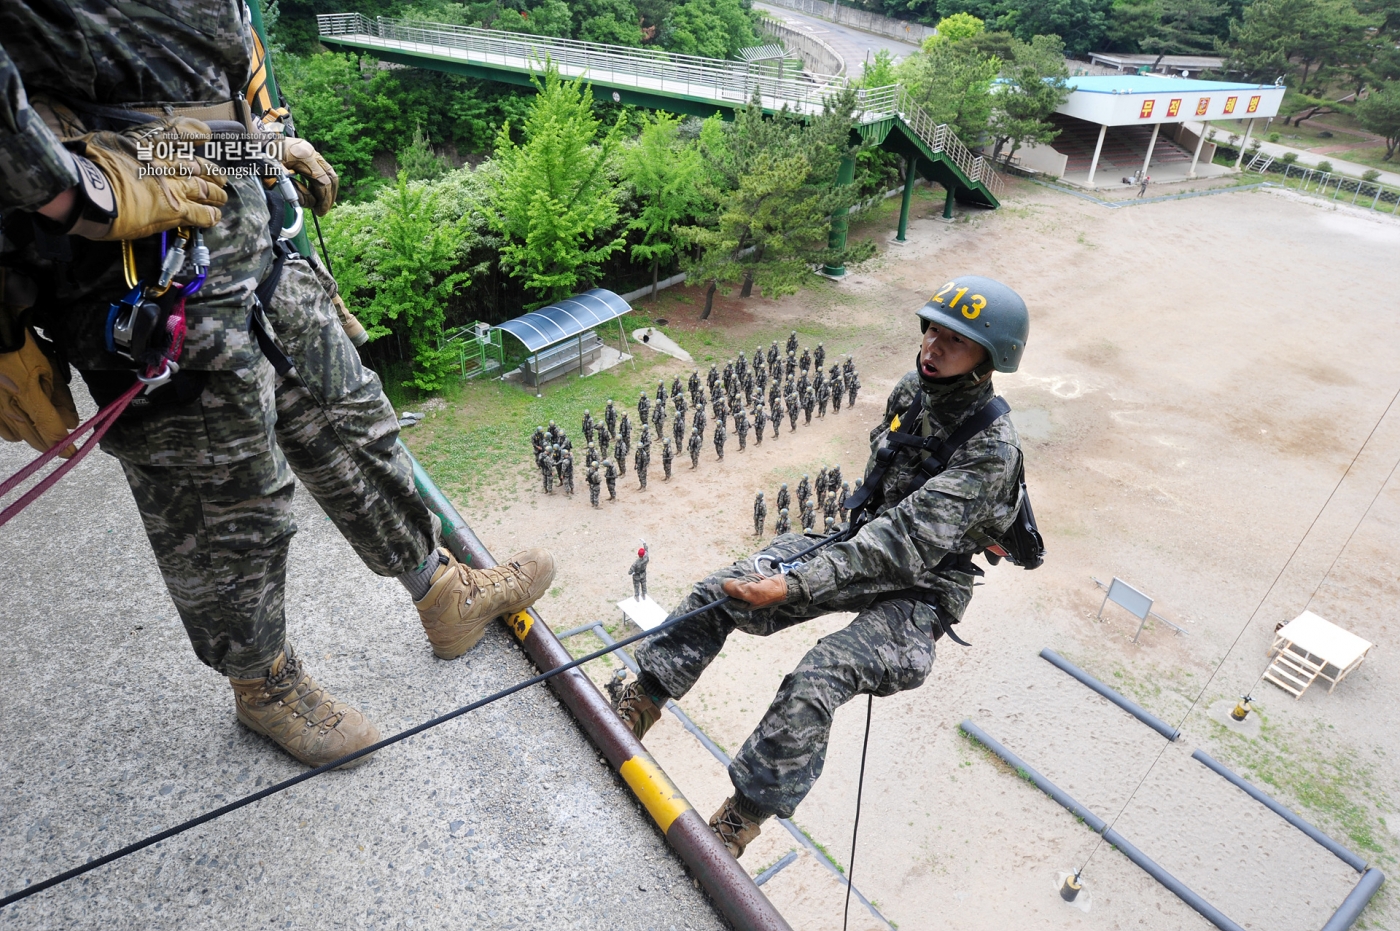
<point x="257" y="324"/>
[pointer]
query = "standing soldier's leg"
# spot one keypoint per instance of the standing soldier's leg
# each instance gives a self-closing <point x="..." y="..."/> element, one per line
<point x="888" y="648"/>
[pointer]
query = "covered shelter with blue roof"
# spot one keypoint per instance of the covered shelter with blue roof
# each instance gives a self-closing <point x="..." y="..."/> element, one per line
<point x="1115" y="122"/>
<point x="563" y="337"/>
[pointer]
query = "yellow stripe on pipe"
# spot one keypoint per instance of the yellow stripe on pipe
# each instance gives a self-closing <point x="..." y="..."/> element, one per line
<point x="520" y="624"/>
<point x="655" y="790"/>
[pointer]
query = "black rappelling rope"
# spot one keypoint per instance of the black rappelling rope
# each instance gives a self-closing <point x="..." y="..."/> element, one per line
<point x="285" y="784"/>
<point x="855" y="828"/>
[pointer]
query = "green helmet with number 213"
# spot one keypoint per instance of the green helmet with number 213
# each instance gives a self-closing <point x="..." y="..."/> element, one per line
<point x="984" y="311"/>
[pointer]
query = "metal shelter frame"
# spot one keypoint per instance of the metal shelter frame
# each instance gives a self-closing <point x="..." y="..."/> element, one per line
<point x="569" y="319"/>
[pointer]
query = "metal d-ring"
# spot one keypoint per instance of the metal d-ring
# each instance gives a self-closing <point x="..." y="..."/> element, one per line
<point x="167" y="371"/>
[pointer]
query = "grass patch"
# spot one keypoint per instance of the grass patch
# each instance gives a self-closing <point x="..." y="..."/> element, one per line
<point x="822" y="847"/>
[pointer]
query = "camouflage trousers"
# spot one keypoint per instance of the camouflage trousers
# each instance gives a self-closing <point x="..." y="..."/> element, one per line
<point x="888" y="648"/>
<point x="213" y="478"/>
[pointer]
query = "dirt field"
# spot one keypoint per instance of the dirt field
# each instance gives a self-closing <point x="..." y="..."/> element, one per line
<point x="1199" y="375"/>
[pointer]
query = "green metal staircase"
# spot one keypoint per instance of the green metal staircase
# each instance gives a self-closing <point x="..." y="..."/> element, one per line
<point x="888" y="117"/>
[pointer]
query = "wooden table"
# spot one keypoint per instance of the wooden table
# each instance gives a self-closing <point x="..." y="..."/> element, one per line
<point x="1309" y="648"/>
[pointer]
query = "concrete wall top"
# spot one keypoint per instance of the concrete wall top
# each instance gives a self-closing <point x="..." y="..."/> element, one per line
<point x="1124" y="100"/>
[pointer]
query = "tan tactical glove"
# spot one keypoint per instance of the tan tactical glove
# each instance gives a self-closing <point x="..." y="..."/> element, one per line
<point x="322" y="183"/>
<point x="758" y="592"/>
<point x="153" y="180"/>
<point x="35" y="406"/>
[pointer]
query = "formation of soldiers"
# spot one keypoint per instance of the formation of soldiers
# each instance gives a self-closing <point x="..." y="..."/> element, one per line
<point x="744" y="398"/>
<point x="820" y="505"/>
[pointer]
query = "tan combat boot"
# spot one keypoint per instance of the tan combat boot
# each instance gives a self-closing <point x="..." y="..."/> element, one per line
<point x="636" y="709"/>
<point x="349" y="322"/>
<point x="300" y="716"/>
<point x="734" y="828"/>
<point x="462" y="601"/>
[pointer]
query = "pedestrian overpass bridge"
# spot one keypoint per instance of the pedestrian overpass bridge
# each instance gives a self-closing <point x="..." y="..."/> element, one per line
<point x="887" y="117"/>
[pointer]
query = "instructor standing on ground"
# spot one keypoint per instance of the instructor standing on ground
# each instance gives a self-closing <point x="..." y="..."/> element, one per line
<point x="104" y="122"/>
<point x="907" y="572"/>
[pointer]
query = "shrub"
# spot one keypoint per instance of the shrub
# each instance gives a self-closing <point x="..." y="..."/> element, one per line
<point x="1324" y="166"/>
<point x="1370" y="174"/>
<point x="1273" y="137"/>
<point x="1289" y="158"/>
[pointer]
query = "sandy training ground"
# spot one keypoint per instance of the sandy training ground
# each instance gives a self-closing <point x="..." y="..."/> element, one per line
<point x="1200" y="374"/>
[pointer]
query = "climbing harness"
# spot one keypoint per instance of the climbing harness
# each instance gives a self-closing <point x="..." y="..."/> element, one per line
<point x="145" y="326"/>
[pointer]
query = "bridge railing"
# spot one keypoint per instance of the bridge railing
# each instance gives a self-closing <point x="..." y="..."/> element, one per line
<point x="645" y="69"/>
<point x="732" y="83"/>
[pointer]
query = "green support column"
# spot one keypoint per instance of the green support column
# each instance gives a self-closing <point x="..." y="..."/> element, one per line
<point x="909" y="178"/>
<point x="836" y="241"/>
<point x="948" y="202"/>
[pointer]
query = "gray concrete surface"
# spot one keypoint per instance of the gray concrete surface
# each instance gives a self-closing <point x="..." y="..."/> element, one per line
<point x="851" y="44"/>
<point x="506" y="818"/>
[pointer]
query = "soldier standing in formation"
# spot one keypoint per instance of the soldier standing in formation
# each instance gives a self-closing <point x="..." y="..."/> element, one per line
<point x="829" y="507"/>
<point x="590" y="458"/>
<point x="823" y="396"/>
<point x="783" y="525"/>
<point x="784" y="498"/>
<point x="639" y="574"/>
<point x="853" y="387"/>
<point x="556" y="458"/>
<point x="809" y="404"/>
<point x="624" y="430"/>
<point x="841" y="504"/>
<point x="644" y="441"/>
<point x="790" y="366"/>
<point x="907" y="572"/>
<point x="804" y="362"/>
<point x="676" y="390"/>
<point x="820" y="485"/>
<point x="566" y="466"/>
<point x="694" y="447"/>
<point x="546" y="467"/>
<point x="792" y="409"/>
<point x="721" y="435"/>
<point x="681" y="406"/>
<point x="620" y="455"/>
<point x="610" y="476"/>
<point x="777" y="416"/>
<point x="604" y="440"/>
<point x="694" y="384"/>
<point x="587" y="427"/>
<point x="804" y="491"/>
<point x="760" y="514"/>
<point x="699" y="421"/>
<point x="760" y="420"/>
<point x="678" y="428"/>
<point x="661" y="392"/>
<point x="658" y="417"/>
<point x="641" y="462"/>
<point x="741" y="427"/>
<point x="818" y="357"/>
<point x="792" y="343"/>
<point x="537" y="442"/>
<point x="595" y="482"/>
<point x="837" y="389"/>
<point x="643" y="408"/>
<point x="773" y="356"/>
<point x="833" y="477"/>
<point x="668" y="453"/>
<point x="610" y="418"/>
<point x="720" y="408"/>
<point x="712" y="379"/>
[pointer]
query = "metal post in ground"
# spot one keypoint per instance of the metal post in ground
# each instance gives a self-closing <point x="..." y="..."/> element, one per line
<point x="948" y="202"/>
<point x="911" y="175"/>
<point x="1249" y="128"/>
<point x="1200" y="143"/>
<point x="836" y="240"/>
<point x="1152" y="144"/>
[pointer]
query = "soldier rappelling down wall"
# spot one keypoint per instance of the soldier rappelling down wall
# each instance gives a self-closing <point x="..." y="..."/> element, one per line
<point x="906" y="569"/>
<point x="132" y="254"/>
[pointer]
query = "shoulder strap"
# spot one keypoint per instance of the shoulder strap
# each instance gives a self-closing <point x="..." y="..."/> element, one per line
<point x="900" y="435"/>
<point x="985" y="416"/>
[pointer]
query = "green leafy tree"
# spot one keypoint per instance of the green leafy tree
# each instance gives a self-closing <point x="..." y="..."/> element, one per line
<point x="1082" y="24"/>
<point x="413" y="257"/>
<point x="952" y="81"/>
<point x="418" y="161"/>
<point x="1306" y="41"/>
<point x="1183" y="27"/>
<point x="614" y="22"/>
<point x="710" y="28"/>
<point x="553" y="199"/>
<point x="1379" y="112"/>
<point x="547" y="18"/>
<point x="663" y="170"/>
<point x="1129" y="22"/>
<point x="773" y="183"/>
<point x="881" y="71"/>
<point x="955" y="27"/>
<point x="1036" y="84"/>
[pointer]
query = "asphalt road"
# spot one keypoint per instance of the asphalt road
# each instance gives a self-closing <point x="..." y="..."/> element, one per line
<point x="506" y="818"/>
<point x="853" y="45"/>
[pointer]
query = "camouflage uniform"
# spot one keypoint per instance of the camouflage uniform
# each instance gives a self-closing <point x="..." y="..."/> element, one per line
<point x="760" y="514"/>
<point x="699" y="421"/>
<point x="760" y="420"/>
<point x="678" y="430"/>
<point x="784" y="498"/>
<point x="566" y="474"/>
<point x="777" y="418"/>
<point x="693" y="383"/>
<point x="854" y="387"/>
<point x="741" y="427"/>
<point x="624" y="431"/>
<point x="546" y="464"/>
<point x="809" y="403"/>
<point x="620" y="451"/>
<point x="823" y="396"/>
<point x="610" y="476"/>
<point x="773" y="359"/>
<point x="792" y="343"/>
<point x="902" y="573"/>
<point x="658" y="416"/>
<point x="667" y="456"/>
<point x="213" y="476"/>
<point x="720" y="436"/>
<point x="712" y="379"/>
<point x="694" y="448"/>
<point x="638" y="572"/>
<point x="805" y="361"/>
<point x="836" y="390"/>
<point x="595" y="482"/>
<point x="610" y="418"/>
<point x="783" y="525"/>
<point x="720" y="408"/>
<point x="537" y="442"/>
<point x="804" y="491"/>
<point x="792" y="409"/>
<point x="641" y="462"/>
<point x="809" y="517"/>
<point x="587" y="427"/>
<point x="643" y="408"/>
<point x="818" y="357"/>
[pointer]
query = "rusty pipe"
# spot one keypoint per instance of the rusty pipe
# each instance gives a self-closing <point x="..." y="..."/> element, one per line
<point x="727" y="883"/>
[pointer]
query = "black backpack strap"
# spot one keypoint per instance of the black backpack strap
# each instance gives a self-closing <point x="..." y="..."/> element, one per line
<point x="257" y="322"/>
<point x="938" y="460"/>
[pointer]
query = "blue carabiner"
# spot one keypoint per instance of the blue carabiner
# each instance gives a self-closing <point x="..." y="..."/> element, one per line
<point x="130" y="302"/>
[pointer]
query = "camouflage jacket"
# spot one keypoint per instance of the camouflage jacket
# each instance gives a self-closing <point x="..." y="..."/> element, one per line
<point x="956" y="511"/>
